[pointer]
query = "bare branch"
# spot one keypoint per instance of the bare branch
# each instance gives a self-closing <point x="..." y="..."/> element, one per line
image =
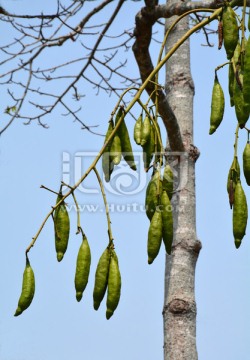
<point x="45" y="32"/>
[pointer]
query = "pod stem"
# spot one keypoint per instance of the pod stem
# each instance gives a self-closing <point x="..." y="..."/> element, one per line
<point x="221" y="66"/>
<point x="78" y="214"/>
<point x="106" y="205"/>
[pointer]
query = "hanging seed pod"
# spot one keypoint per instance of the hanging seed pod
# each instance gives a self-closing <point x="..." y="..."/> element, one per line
<point x="154" y="236"/>
<point x="62" y="228"/>
<point x="232" y="179"/>
<point x="158" y="144"/>
<point x="241" y="110"/>
<point x="116" y="150"/>
<point x="114" y="285"/>
<point x="123" y="134"/>
<point x="82" y="268"/>
<point x="246" y="77"/>
<point x="220" y="34"/>
<point x="167" y="222"/>
<point x="230" y="30"/>
<point x="168" y="181"/>
<point x="101" y="278"/>
<point x="137" y="130"/>
<point x="28" y="289"/>
<point x="107" y="164"/>
<point x="236" y="56"/>
<point x="246" y="162"/>
<point x="149" y="149"/>
<point x="145" y="131"/>
<point x="217" y="106"/>
<point x="241" y="60"/>
<point x="240" y="214"/>
<point x="231" y="83"/>
<point x="153" y="194"/>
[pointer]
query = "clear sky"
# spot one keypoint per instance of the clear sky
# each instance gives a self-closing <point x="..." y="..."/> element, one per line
<point x="56" y="326"/>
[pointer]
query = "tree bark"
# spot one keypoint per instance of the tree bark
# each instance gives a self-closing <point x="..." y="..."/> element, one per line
<point x="179" y="310"/>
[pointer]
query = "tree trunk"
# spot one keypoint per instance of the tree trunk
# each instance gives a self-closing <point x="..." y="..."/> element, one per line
<point x="179" y="301"/>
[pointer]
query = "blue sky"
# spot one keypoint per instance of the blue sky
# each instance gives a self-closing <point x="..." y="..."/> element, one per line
<point x="56" y="326"/>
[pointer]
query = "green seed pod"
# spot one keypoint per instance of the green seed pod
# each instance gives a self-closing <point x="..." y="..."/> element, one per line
<point x="153" y="194"/>
<point x="241" y="60"/>
<point x="246" y="77"/>
<point x="168" y="181"/>
<point x="145" y="131"/>
<point x="154" y="236"/>
<point x="167" y="222"/>
<point x="107" y="164"/>
<point x="137" y="130"/>
<point x="232" y="179"/>
<point x="240" y="214"/>
<point x="123" y="134"/>
<point x="230" y="30"/>
<point x="237" y="51"/>
<point x="158" y="144"/>
<point x="217" y="106"/>
<point x="82" y="268"/>
<point x="101" y="278"/>
<point x="62" y="228"/>
<point x="114" y="285"/>
<point x="149" y="149"/>
<point x="234" y="173"/>
<point x="116" y="150"/>
<point x="241" y="110"/>
<point x="246" y="162"/>
<point x="28" y="289"/>
<point x="231" y="83"/>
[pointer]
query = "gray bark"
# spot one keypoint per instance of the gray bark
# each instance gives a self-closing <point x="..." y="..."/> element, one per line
<point x="179" y="302"/>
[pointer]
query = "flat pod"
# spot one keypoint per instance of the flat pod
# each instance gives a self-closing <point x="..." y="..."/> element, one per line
<point x="114" y="285"/>
<point x="168" y="181"/>
<point x="153" y="194"/>
<point x="82" y="268"/>
<point x="62" y="228"/>
<point x="230" y="30"/>
<point x="137" y="130"/>
<point x="123" y="134"/>
<point x="167" y="222"/>
<point x="154" y="236"/>
<point x="231" y="83"/>
<point x="149" y="149"/>
<point x="246" y="163"/>
<point x="157" y="141"/>
<point x="240" y="214"/>
<point x="116" y="150"/>
<point x="28" y="289"/>
<point x="217" y="106"/>
<point x="107" y="164"/>
<point x="241" y="110"/>
<point x="145" y="131"/>
<point x="101" y="278"/>
<point x="246" y="76"/>
<point x="236" y="56"/>
<point x="232" y="179"/>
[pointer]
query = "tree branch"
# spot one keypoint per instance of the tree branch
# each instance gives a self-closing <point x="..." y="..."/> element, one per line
<point x="145" y="21"/>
